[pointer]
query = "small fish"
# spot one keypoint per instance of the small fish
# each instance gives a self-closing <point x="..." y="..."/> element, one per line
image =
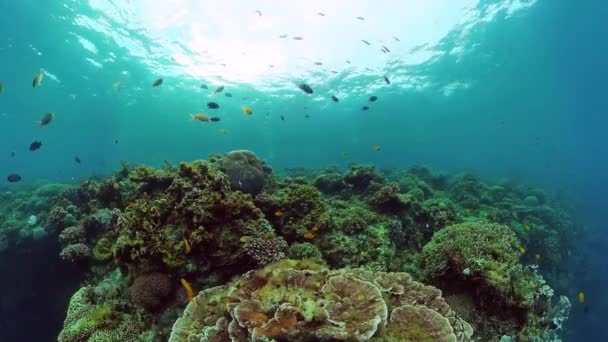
<point x="364" y="108"/>
<point x="204" y="86"/>
<point x="1" y="88"/>
<point x="279" y="213"/>
<point x="77" y="160"/>
<point x="321" y="14"/>
<point x="373" y="98"/>
<point x="318" y="63"/>
<point x="13" y="178"/>
<point x="46" y="119"/>
<point x="258" y="12"/>
<point x="306" y="88"/>
<point x="214" y="119"/>
<point x="35" y="145"/>
<point x="361" y="18"/>
<point x="396" y="39"/>
<point x="283" y="36"/>
<point x="386" y="49"/>
<point x="309" y="235"/>
<point x="223" y="131"/>
<point x="117" y="86"/>
<point x="387" y="80"/>
<point x="247" y="110"/>
<point x="187" y="247"/>
<point x="344" y="154"/>
<point x="116" y="142"/>
<point x="377" y="148"/>
<point x="526" y="227"/>
<point x="37" y="79"/>
<point x="199" y="117"/>
<point x="334" y="98"/>
<point x="13" y="154"/>
<point x="213" y="105"/>
<point x="297" y="38"/>
<point x="228" y="95"/>
<point x="307" y="116"/>
<point x="581" y="297"/>
<point x="366" y="42"/>
<point x="347" y="61"/>
<point x="282" y="118"/>
<point x="218" y="90"/>
<point x="522" y="250"/>
<point x="157" y="83"/>
<point x="537" y="257"/>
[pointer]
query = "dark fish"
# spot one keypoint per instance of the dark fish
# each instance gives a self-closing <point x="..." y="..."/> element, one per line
<point x="157" y="83"/>
<point x="13" y="178"/>
<point x="116" y="142"/>
<point x="282" y="118"/>
<point x="307" y="116"/>
<point x="283" y="36"/>
<point x="321" y="14"/>
<point x="384" y="51"/>
<point x="334" y="98"/>
<point x="213" y="105"/>
<point x="387" y="80"/>
<point x="297" y="38"/>
<point x="360" y="18"/>
<point x="365" y="41"/>
<point x="334" y="72"/>
<point x="397" y="39"/>
<point x="204" y="86"/>
<point x="306" y="88"/>
<point x="214" y="119"/>
<point x="35" y="145"/>
<point x="12" y="154"/>
<point x="259" y="13"/>
<point x="318" y="63"/>
<point x="218" y="89"/>
<point x="364" y="108"/>
<point x="347" y="61"/>
<point x="373" y="99"/>
<point x="228" y="95"/>
<point x="77" y="160"/>
<point x="46" y="119"/>
<point x="385" y="48"/>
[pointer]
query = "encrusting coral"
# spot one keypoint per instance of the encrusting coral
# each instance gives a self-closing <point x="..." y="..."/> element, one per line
<point x="301" y="301"/>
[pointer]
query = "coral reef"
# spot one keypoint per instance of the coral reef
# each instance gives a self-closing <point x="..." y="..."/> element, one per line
<point x="245" y="171"/>
<point x="299" y="301"/>
<point x="150" y="290"/>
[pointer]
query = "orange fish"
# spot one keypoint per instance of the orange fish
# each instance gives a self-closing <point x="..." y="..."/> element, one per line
<point x="315" y="229"/>
<point x="267" y="236"/>
<point x="200" y="117"/>
<point x="247" y="110"/>
<point x="188" y="289"/>
<point x="279" y="213"/>
<point x="377" y="148"/>
<point x="309" y="235"/>
<point x="187" y="246"/>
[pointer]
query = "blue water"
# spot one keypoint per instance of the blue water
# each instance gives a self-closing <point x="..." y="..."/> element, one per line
<point x="518" y="94"/>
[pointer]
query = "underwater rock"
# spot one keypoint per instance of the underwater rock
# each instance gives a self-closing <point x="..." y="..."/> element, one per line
<point x="531" y="201"/>
<point x="330" y="183"/>
<point x="362" y="177"/>
<point x="300" y="301"/>
<point x="387" y="200"/>
<point x="245" y="171"/>
<point x="149" y="291"/>
<point x="75" y="252"/>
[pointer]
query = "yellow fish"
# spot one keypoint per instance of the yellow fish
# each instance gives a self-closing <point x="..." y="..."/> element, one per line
<point x="377" y="148"/>
<point x="279" y="213"/>
<point x="581" y="297"/>
<point x="537" y="257"/>
<point x="526" y="227"/>
<point x="522" y="250"/>
<point x="223" y="131"/>
<point x="200" y="117"/>
<point x="247" y="110"/>
<point x="187" y="248"/>
<point x="37" y="79"/>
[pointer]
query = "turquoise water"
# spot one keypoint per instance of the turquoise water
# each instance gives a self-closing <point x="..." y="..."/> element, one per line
<point x="499" y="88"/>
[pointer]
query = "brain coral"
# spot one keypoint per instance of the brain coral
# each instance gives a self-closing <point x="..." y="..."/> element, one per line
<point x="245" y="171"/>
<point x="150" y="290"/>
<point x="301" y="301"/>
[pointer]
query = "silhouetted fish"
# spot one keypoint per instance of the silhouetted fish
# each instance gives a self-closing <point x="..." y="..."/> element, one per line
<point x="13" y="178"/>
<point x="334" y="98"/>
<point x="77" y="160"/>
<point x="365" y="41"/>
<point x="259" y="12"/>
<point x="306" y="88"/>
<point x="228" y="95"/>
<point x="282" y="118"/>
<point x="360" y="18"/>
<point x="397" y="39"/>
<point x="218" y="90"/>
<point x="12" y="154"/>
<point x="373" y="99"/>
<point x="157" y="83"/>
<point x="318" y="63"/>
<point x="297" y="38"/>
<point x="35" y="145"/>
<point x="214" y="119"/>
<point x="321" y="14"/>
<point x="385" y="48"/>
<point x="364" y="108"/>
<point x="283" y="36"/>
<point x="213" y="105"/>
<point x="204" y="86"/>
<point x="387" y="80"/>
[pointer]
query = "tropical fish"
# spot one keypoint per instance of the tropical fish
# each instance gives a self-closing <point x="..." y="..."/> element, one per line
<point x="188" y="288"/>
<point x="77" y="160"/>
<point x="537" y="257"/>
<point x="204" y="86"/>
<point x="223" y="131"/>
<point x="386" y="49"/>
<point x="218" y="90"/>
<point x="526" y="227"/>
<point x="214" y="119"/>
<point x="364" y="108"/>
<point x="213" y="105"/>
<point x="247" y="110"/>
<point x="377" y="148"/>
<point x="279" y="213"/>
<point x="581" y="297"/>
<point x="306" y="88"/>
<point x="38" y="79"/>
<point x="46" y="119"/>
<point x="35" y="145"/>
<point x="282" y="118"/>
<point x="360" y="18"/>
<point x="297" y="38"/>
<point x="187" y="247"/>
<point x="522" y="250"/>
<point x="157" y="83"/>
<point x="228" y="95"/>
<point x="373" y="99"/>
<point x="199" y="117"/>
<point x="347" y="61"/>
<point x="13" y="178"/>
<point x="314" y="229"/>
<point x="309" y="235"/>
<point x="365" y="41"/>
<point x="387" y="80"/>
<point x="396" y="39"/>
<point x="334" y="98"/>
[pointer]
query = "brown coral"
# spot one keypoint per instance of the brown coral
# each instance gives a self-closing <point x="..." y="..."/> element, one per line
<point x="150" y="290"/>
